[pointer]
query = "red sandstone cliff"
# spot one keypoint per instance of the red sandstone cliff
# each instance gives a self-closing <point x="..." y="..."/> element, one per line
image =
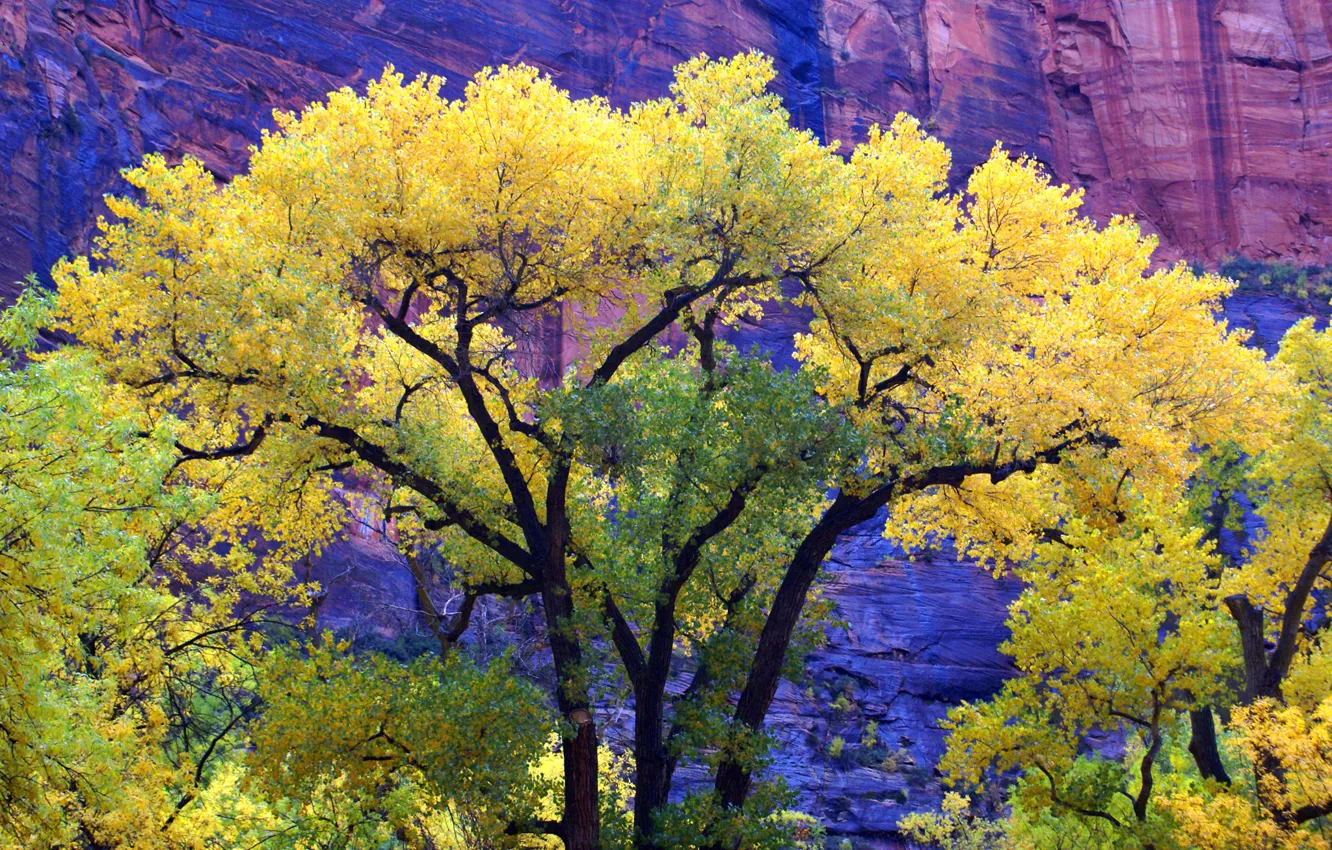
<point x="1209" y="120"/>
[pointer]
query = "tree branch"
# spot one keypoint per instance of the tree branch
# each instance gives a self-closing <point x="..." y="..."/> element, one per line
<point x="847" y="511"/>
<point x="954" y="474"/>
<point x="626" y="643"/>
<point x="379" y="457"/>
<point x="243" y="449"/>
<point x="538" y="826"/>
<point x="1293" y="616"/>
<point x="673" y="302"/>
<point x="687" y="558"/>
<point x="1304" y="814"/>
<point x="1091" y="813"/>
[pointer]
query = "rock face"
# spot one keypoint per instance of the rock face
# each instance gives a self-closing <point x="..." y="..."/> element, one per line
<point x="920" y="637"/>
<point x="1210" y="120"/>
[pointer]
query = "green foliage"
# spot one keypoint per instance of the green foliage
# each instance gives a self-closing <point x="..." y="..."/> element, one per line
<point x="870" y="737"/>
<point x="836" y="746"/>
<point x="1309" y="281"/>
<point x="466" y="735"/>
<point x="764" y="822"/>
<point x="124" y="639"/>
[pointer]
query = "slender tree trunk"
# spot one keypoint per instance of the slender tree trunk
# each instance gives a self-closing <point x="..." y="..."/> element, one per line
<point x="733" y="779"/>
<point x="1147" y="766"/>
<point x="581" y="821"/>
<point x="652" y="785"/>
<point x="1203" y="746"/>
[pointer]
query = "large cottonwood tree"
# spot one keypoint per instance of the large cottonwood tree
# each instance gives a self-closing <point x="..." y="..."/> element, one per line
<point x="379" y="294"/>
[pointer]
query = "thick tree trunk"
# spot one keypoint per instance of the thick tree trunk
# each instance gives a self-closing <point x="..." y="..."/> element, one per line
<point x="582" y="817"/>
<point x="582" y="811"/>
<point x="1249" y="620"/>
<point x="652" y="780"/>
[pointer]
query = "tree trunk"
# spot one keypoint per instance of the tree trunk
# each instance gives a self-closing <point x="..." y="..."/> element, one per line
<point x="581" y="821"/>
<point x="1203" y="747"/>
<point x="582" y="809"/>
<point x="733" y="779"/>
<point x="652" y="780"/>
<point x="582" y="817"/>
<point x="1249" y="619"/>
<point x="1265" y="673"/>
<point x="652" y="784"/>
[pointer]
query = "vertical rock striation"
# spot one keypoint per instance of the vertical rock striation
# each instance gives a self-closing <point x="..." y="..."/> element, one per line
<point x="1209" y="120"/>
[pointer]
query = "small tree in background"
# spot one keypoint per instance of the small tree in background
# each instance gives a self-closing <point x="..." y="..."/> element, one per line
<point x="1138" y="626"/>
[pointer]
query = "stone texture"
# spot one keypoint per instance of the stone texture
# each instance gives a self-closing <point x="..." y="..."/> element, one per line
<point x="1210" y="120"/>
<point x="1267" y="317"/>
<point x="920" y="637"/>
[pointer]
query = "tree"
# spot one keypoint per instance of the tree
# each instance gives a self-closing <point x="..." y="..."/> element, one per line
<point x="388" y="292"/>
<point x="123" y="635"/>
<point x="148" y="682"/>
<point x="1287" y="690"/>
<point x="1143" y="626"/>
<point x="439" y="752"/>
<point x="1119" y="632"/>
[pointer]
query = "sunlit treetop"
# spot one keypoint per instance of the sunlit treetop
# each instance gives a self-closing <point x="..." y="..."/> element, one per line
<point x="1137" y="623"/>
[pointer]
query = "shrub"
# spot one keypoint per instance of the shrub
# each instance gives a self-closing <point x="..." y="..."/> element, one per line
<point x="870" y="736"/>
<point x="1279" y="277"/>
<point x="837" y="746"/>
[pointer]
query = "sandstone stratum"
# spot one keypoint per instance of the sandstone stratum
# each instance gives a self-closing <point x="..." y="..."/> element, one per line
<point x="1210" y="122"/>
